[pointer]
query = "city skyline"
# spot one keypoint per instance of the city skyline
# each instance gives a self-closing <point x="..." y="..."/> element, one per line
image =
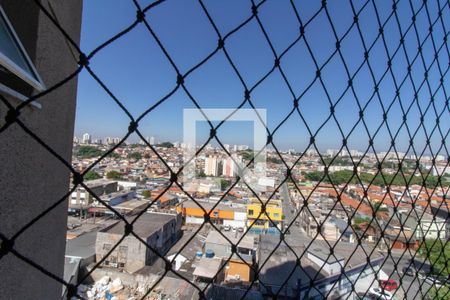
<point x="157" y="141"/>
<point x="141" y="79"/>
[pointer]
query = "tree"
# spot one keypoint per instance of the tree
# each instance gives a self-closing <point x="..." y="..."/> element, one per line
<point x="91" y="175"/>
<point x="133" y="146"/>
<point x="147" y="194"/>
<point x="201" y="173"/>
<point x="165" y="145"/>
<point x="113" y="155"/>
<point x="247" y="155"/>
<point x="347" y="176"/>
<point x="441" y="293"/>
<point x="274" y="160"/>
<point x="359" y="220"/>
<point x="314" y="176"/>
<point x="378" y="207"/>
<point x="114" y="175"/>
<point x="438" y="253"/>
<point x="135" y="155"/>
<point x="88" y="152"/>
<point x="224" y="183"/>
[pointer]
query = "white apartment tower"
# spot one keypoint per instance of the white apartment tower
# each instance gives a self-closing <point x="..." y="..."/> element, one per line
<point x="86" y="138"/>
<point x="211" y="166"/>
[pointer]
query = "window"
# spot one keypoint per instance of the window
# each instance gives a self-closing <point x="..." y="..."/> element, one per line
<point x="106" y="247"/>
<point x="18" y="76"/>
<point x="276" y="215"/>
<point x="250" y="212"/>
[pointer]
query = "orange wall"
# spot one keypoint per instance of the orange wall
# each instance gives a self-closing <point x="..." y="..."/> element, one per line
<point x="226" y="214"/>
<point x="198" y="212"/>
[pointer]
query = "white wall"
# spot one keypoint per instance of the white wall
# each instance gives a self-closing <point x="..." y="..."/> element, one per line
<point x="240" y="216"/>
<point x="194" y="220"/>
<point x="234" y="223"/>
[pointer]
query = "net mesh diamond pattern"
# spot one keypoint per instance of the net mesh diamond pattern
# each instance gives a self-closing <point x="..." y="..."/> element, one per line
<point x="400" y="70"/>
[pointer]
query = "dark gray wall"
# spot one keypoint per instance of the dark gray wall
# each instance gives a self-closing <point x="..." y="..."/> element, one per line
<point x="31" y="179"/>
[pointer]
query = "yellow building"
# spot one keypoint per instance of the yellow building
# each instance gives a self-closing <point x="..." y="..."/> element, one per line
<point x="274" y="210"/>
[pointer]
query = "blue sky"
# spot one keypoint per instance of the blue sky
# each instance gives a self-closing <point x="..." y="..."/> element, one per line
<point x="137" y="72"/>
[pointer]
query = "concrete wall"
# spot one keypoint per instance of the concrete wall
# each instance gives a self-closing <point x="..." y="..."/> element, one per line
<point x="138" y="255"/>
<point x="136" y="252"/>
<point x="31" y="179"/>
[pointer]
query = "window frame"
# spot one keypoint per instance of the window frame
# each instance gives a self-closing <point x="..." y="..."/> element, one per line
<point x="36" y="83"/>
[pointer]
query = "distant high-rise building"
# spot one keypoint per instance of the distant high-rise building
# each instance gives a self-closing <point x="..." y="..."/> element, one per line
<point x="355" y="153"/>
<point x="440" y="157"/>
<point x="152" y="141"/>
<point x="116" y="140"/>
<point x="211" y="166"/>
<point x="76" y="140"/>
<point x="227" y="147"/>
<point x="229" y="168"/>
<point x="235" y="148"/>
<point x="331" y="152"/>
<point x="343" y="153"/>
<point x="98" y="141"/>
<point x="311" y="152"/>
<point x="86" y="138"/>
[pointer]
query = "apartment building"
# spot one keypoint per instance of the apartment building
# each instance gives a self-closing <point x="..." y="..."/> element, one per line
<point x="265" y="222"/>
<point x="81" y="197"/>
<point x="222" y="214"/>
<point x="159" y="231"/>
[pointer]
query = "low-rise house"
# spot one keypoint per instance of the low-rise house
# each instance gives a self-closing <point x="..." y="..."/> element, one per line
<point x="431" y="227"/>
<point x="265" y="221"/>
<point x="81" y="198"/>
<point x="240" y="264"/>
<point x="209" y="270"/>
<point x="332" y="273"/>
<point x="222" y="214"/>
<point x="159" y="231"/>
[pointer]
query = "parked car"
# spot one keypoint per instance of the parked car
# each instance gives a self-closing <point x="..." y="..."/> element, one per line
<point x="409" y="271"/>
<point x="240" y="229"/>
<point x="227" y="228"/>
<point x="380" y="293"/>
<point x="388" y="285"/>
<point x="433" y="280"/>
<point x="421" y="275"/>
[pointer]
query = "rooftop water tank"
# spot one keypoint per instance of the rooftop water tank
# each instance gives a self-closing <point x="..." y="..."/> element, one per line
<point x="209" y="253"/>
